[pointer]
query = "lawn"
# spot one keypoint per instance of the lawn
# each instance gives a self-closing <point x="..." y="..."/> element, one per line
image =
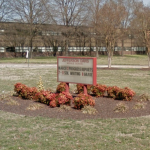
<point x="102" y="60"/>
<point x="133" y="78"/>
<point x="36" y="133"/>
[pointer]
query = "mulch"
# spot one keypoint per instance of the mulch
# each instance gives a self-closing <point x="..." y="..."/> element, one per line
<point x="105" y="109"/>
<point x="145" y="69"/>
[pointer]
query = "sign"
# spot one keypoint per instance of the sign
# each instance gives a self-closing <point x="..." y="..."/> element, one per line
<point x="77" y="70"/>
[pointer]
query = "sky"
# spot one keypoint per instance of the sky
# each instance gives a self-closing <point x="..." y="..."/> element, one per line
<point x="146" y="2"/>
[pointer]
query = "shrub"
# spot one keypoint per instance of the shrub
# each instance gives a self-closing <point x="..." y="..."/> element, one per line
<point x="89" y="110"/>
<point x="44" y="97"/>
<point x="24" y="91"/>
<point x="112" y="91"/>
<point x="125" y="94"/>
<point x="61" y="87"/>
<point x="139" y="105"/>
<point x="12" y="102"/>
<point x="80" y="88"/>
<point x="63" y="108"/>
<point x="121" y="94"/>
<point x="144" y="97"/>
<point x="18" y="88"/>
<point x="52" y="99"/>
<point x="30" y="93"/>
<point x="121" y="107"/>
<point x="40" y="86"/>
<point x="34" y="106"/>
<point x="50" y="96"/>
<point x="83" y="100"/>
<point x="64" y="98"/>
<point x="39" y="97"/>
<point x="99" y="90"/>
<point x="53" y="103"/>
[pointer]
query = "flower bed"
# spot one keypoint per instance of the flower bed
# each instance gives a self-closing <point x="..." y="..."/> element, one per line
<point x="64" y="98"/>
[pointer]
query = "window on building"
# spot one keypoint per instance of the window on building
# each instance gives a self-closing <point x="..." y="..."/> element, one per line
<point x="2" y="31"/>
<point x="54" y="33"/>
<point x="2" y="49"/>
<point x="10" y="49"/>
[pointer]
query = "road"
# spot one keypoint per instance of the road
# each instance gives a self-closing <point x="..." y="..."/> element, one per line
<point x="9" y="65"/>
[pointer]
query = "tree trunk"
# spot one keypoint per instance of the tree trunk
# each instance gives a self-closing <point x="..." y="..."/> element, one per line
<point x="30" y="52"/>
<point x="97" y="55"/>
<point x="122" y="48"/>
<point x="109" y="60"/>
<point x="66" y="48"/>
<point x="148" y="59"/>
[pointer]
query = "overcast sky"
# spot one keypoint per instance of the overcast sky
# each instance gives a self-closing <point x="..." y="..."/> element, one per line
<point x="146" y="2"/>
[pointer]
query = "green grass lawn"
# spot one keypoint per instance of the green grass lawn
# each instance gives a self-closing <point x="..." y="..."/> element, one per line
<point x="132" y="78"/>
<point x="39" y="133"/>
<point x="36" y="133"/>
<point x="102" y="60"/>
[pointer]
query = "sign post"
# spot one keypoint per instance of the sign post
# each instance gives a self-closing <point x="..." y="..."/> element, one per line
<point x="27" y="55"/>
<point x="81" y="70"/>
<point x="67" y="87"/>
<point x="85" y="89"/>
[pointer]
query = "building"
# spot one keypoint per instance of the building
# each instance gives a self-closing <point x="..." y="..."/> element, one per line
<point x="54" y="39"/>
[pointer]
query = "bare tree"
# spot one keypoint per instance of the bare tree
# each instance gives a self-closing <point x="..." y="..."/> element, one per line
<point x="52" y="36"/>
<point x="31" y="12"/>
<point x="95" y="6"/>
<point x="5" y="10"/>
<point x="141" y="25"/>
<point x="110" y="17"/>
<point x="125" y="30"/>
<point x="15" y="35"/>
<point x="68" y="13"/>
<point x="82" y="38"/>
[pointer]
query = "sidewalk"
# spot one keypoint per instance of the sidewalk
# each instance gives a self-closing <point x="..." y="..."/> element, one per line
<point x="122" y="66"/>
<point x="55" y="65"/>
<point x="27" y="65"/>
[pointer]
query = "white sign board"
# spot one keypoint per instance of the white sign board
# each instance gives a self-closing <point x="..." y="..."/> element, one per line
<point x="76" y="70"/>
